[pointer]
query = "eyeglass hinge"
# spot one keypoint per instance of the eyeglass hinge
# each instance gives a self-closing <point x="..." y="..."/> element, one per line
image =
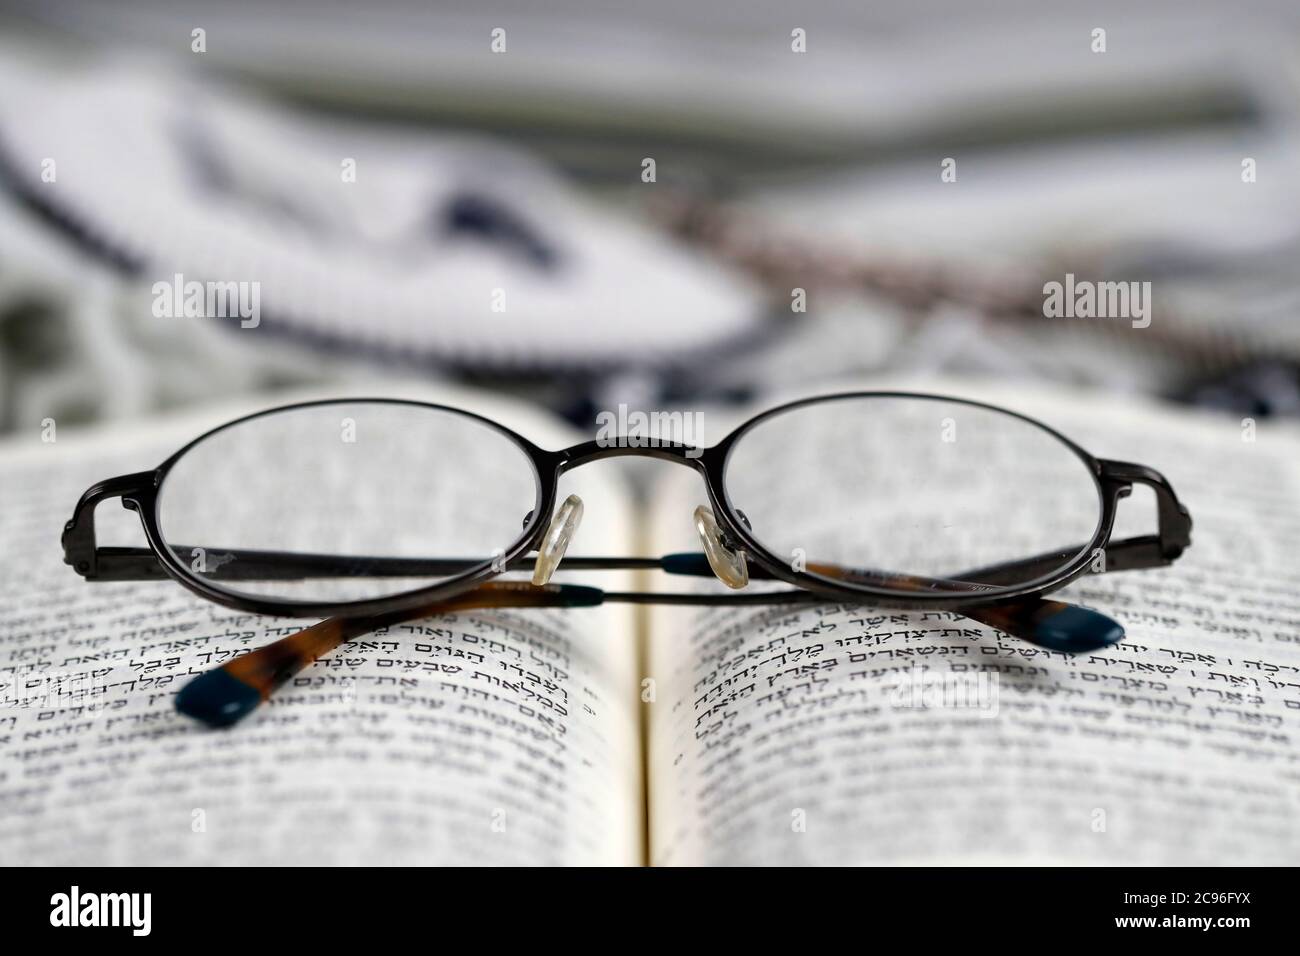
<point x="78" y="538"/>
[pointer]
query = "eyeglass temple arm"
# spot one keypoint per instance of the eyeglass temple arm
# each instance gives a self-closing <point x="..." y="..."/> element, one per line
<point x="226" y="694"/>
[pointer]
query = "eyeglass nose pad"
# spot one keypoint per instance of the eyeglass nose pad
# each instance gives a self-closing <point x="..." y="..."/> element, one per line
<point x="727" y="564"/>
<point x="556" y="540"/>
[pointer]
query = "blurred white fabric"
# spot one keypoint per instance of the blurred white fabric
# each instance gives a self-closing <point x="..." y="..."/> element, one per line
<point x="441" y="248"/>
<point x="1128" y="161"/>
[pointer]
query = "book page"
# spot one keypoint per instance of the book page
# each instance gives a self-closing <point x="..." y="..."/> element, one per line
<point x="815" y="735"/>
<point x="483" y="737"/>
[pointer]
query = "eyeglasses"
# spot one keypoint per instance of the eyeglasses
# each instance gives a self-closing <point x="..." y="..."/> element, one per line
<point x="370" y="512"/>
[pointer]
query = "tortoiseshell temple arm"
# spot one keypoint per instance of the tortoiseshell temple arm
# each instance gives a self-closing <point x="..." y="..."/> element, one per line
<point x="1054" y="625"/>
<point x="227" y="694"/>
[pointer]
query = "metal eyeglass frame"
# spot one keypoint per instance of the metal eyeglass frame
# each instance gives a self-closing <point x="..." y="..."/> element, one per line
<point x="1018" y="608"/>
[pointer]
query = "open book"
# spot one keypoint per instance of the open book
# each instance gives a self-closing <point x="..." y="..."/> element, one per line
<point x="608" y="735"/>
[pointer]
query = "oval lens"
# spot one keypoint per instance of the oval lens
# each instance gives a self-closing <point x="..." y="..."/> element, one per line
<point x="345" y="501"/>
<point x="913" y="495"/>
